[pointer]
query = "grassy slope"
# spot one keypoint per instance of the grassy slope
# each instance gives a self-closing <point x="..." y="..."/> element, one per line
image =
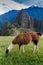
<point x="14" y="58"/>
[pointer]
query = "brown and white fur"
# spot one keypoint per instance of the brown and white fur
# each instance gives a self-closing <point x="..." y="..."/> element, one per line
<point x="24" y="39"/>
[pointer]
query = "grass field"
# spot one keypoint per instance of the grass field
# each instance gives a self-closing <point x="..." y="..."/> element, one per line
<point x="14" y="58"/>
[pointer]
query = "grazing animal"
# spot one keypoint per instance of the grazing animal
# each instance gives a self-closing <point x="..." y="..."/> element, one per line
<point x="24" y="39"/>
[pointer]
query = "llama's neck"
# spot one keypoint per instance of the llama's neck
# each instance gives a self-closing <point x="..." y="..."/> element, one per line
<point x="14" y="42"/>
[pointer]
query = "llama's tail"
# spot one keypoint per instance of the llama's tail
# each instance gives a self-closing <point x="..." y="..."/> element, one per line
<point x="39" y="33"/>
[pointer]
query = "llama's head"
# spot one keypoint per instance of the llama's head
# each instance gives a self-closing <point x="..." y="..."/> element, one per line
<point x="9" y="48"/>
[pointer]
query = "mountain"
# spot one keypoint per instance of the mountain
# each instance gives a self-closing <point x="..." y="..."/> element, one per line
<point x="35" y="12"/>
<point x="23" y="20"/>
<point x="8" y="17"/>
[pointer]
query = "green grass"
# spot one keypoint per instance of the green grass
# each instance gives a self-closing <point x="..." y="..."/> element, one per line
<point x="14" y="58"/>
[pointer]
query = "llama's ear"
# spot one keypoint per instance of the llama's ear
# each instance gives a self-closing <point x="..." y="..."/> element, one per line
<point x="39" y="33"/>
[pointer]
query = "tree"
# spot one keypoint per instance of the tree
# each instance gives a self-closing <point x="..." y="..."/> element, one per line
<point x="6" y="28"/>
<point x="0" y="32"/>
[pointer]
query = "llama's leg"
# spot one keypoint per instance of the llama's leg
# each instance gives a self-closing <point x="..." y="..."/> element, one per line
<point x="19" y="49"/>
<point x="36" y="48"/>
<point x="9" y="48"/>
<point x="23" y="48"/>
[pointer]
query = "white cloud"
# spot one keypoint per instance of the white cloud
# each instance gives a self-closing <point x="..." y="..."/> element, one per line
<point x="7" y="5"/>
<point x="4" y="9"/>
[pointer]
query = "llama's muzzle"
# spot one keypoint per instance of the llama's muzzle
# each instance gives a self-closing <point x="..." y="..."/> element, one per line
<point x="7" y="50"/>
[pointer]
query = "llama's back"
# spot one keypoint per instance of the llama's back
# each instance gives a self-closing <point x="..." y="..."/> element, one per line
<point x="22" y="39"/>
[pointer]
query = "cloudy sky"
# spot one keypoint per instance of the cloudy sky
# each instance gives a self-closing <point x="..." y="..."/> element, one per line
<point x="6" y="5"/>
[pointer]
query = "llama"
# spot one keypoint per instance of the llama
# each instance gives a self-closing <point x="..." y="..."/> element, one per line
<point x="24" y="39"/>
